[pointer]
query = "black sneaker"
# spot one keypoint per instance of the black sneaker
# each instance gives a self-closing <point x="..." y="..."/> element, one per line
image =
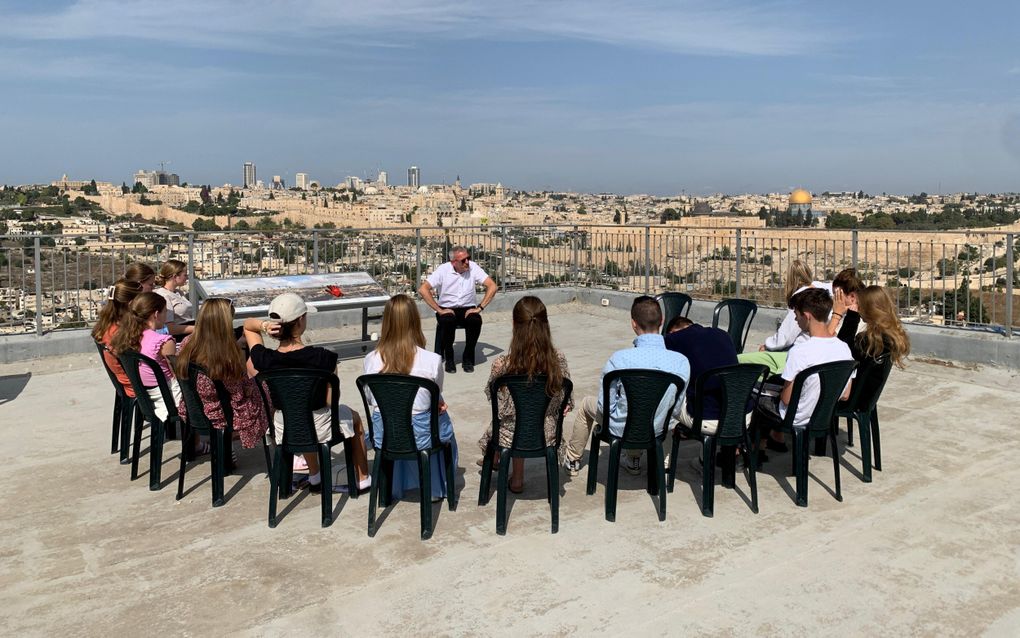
<point x="469" y="367"/>
<point x="451" y="366"/>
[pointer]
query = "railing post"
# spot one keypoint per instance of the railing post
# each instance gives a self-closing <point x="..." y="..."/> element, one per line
<point x="192" y="288"/>
<point x="648" y="259"/>
<point x="37" y="258"/>
<point x="574" y="237"/>
<point x="417" y="257"/>
<point x="315" y="252"/>
<point x="1009" y="284"/>
<point x="502" y="257"/>
<point x="736" y="290"/>
<point x="853" y="248"/>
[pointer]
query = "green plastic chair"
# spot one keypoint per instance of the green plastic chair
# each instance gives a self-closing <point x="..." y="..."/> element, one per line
<point x="530" y="406"/>
<point x="130" y="360"/>
<point x="394" y="394"/>
<point x="833" y="377"/>
<point x="220" y="438"/>
<point x="732" y="386"/>
<point x="673" y="304"/>
<point x="740" y="313"/>
<point x="124" y="412"/>
<point x="644" y="390"/>
<point x="295" y="392"/>
<point x="862" y="406"/>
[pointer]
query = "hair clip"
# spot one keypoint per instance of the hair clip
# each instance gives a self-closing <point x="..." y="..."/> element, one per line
<point x="110" y="294"/>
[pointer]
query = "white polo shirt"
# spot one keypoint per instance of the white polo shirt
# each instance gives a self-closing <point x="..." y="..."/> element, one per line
<point x="456" y="290"/>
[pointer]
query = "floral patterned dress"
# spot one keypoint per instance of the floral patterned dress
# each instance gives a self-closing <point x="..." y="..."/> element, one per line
<point x="250" y="419"/>
<point x="506" y="406"/>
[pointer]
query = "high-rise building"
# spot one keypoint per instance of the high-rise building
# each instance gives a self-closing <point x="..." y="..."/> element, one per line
<point x="278" y="183"/>
<point x="301" y="181"/>
<point x="381" y="180"/>
<point x="249" y="174"/>
<point x="414" y="177"/>
<point x="149" y="179"/>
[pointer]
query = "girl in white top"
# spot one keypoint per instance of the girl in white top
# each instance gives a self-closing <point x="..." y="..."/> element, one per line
<point x="401" y="351"/>
<point x="172" y="276"/>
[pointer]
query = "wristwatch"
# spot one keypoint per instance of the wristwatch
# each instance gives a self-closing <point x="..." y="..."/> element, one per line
<point x="480" y="307"/>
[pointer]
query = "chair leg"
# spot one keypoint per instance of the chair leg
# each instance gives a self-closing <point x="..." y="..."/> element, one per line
<point x="373" y="492"/>
<point x="117" y="411"/>
<point x="186" y="440"/>
<point x="265" y="450"/>
<point x="139" y="424"/>
<point x="326" y="467"/>
<point x="876" y="439"/>
<point x="275" y="478"/>
<point x="707" y="475"/>
<point x="660" y="478"/>
<point x="613" y="480"/>
<point x="593" y="465"/>
<point x="849" y="431"/>
<point x="129" y="415"/>
<point x="752" y="472"/>
<point x="864" y="427"/>
<point x="486" y="482"/>
<point x="451" y="478"/>
<point x="502" y="481"/>
<point x="218" y="461"/>
<point x="674" y="450"/>
<point x="552" y="468"/>
<point x="286" y="473"/>
<point x="386" y="489"/>
<point x="728" y="466"/>
<point x="425" y="492"/>
<point x="835" y="462"/>
<point x="352" y="476"/>
<point x="156" y="438"/>
<point x="800" y="464"/>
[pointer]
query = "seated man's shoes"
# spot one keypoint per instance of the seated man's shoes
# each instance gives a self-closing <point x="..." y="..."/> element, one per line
<point x="632" y="464"/>
<point x="469" y="367"/>
<point x="451" y="366"/>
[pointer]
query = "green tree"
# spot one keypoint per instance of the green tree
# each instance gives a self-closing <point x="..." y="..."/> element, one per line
<point x="139" y="188"/>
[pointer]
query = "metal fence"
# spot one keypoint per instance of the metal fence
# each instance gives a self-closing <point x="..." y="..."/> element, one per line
<point x="964" y="279"/>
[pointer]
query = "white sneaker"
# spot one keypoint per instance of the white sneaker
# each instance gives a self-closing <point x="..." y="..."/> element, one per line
<point x="632" y="464"/>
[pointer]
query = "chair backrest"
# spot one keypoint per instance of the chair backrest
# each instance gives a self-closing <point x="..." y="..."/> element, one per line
<point x="130" y="360"/>
<point x="832" y="379"/>
<point x="673" y="304"/>
<point x="394" y="394"/>
<point x="644" y="390"/>
<point x="531" y="403"/>
<point x="732" y="386"/>
<point x="295" y="392"/>
<point x="113" y="377"/>
<point x="740" y="314"/>
<point x="197" y="419"/>
<point x="869" y="383"/>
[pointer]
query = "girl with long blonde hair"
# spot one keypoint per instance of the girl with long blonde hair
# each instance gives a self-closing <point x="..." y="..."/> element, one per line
<point x="213" y="347"/>
<point x="531" y="352"/>
<point x="401" y="350"/>
<point x="883" y="332"/>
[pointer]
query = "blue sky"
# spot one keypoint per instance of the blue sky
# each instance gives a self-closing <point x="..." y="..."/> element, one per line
<point x="590" y="95"/>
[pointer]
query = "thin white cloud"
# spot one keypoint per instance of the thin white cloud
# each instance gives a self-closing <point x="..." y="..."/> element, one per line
<point x="681" y="26"/>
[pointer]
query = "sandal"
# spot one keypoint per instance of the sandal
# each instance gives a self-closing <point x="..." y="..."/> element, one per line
<point x="202" y="448"/>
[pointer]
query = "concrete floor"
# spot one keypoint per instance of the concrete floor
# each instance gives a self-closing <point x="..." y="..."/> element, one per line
<point x="932" y="546"/>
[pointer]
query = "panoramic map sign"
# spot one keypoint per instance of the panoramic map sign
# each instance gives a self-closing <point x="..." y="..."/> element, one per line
<point x="329" y="291"/>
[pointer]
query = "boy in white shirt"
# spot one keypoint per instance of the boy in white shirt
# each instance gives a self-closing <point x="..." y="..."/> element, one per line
<point x="811" y="308"/>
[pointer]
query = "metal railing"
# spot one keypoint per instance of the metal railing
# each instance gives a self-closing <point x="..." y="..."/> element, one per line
<point x="949" y="278"/>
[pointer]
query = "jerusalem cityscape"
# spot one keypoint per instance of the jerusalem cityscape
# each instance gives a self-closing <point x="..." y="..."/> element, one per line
<point x="542" y="318"/>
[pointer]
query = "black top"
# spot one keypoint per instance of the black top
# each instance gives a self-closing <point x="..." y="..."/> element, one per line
<point x="312" y="357"/>
<point x="705" y="348"/>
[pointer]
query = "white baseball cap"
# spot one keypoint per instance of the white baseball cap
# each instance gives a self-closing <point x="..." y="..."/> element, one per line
<point x="288" y="307"/>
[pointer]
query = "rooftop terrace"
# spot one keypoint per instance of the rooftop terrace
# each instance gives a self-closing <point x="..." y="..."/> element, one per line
<point x="930" y="547"/>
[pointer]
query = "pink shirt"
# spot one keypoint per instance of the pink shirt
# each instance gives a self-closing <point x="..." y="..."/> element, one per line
<point x="152" y="342"/>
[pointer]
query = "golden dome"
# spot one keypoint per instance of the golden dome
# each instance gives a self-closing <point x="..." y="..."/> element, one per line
<point x="800" y="196"/>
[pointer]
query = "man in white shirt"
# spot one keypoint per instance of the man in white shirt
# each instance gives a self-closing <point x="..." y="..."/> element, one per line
<point x="456" y="305"/>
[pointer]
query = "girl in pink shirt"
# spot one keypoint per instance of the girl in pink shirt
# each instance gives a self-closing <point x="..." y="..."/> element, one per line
<point x="139" y="331"/>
